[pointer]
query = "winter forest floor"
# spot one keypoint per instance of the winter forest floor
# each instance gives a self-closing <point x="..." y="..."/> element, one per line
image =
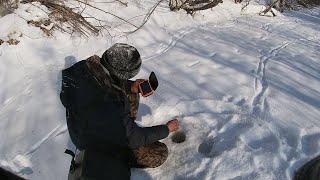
<point x="246" y="89"/>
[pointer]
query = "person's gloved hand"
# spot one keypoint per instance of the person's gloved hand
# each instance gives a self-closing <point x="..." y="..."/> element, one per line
<point x="135" y="86"/>
<point x="173" y="125"/>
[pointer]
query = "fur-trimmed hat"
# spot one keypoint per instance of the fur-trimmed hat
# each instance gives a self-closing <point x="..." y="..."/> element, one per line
<point x="122" y="60"/>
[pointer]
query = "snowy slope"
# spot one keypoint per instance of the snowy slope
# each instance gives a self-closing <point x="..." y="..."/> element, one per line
<point x="246" y="89"/>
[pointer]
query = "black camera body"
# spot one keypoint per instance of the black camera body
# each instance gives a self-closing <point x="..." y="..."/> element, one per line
<point x="147" y="87"/>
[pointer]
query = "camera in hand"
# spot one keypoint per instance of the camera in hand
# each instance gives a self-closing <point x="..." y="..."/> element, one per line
<point x="148" y="87"/>
<point x="145" y="89"/>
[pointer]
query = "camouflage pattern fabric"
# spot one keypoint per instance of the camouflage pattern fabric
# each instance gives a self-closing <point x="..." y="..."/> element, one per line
<point x="98" y="72"/>
<point x="149" y="156"/>
<point x="134" y="104"/>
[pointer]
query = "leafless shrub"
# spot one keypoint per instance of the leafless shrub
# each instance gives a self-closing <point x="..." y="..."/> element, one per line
<point x="72" y="20"/>
<point x="308" y="3"/>
<point x="192" y="6"/>
<point x="64" y="19"/>
<point x="43" y="25"/>
<point x="13" y="42"/>
<point x="11" y="39"/>
<point x="269" y="8"/>
<point x="282" y="5"/>
<point x="7" y="6"/>
<point x="146" y="18"/>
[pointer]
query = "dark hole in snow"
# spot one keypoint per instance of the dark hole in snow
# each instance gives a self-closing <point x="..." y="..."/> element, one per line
<point x="178" y="137"/>
<point x="206" y="146"/>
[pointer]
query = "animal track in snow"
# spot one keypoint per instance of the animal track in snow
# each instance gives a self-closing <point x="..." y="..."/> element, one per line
<point x="175" y="38"/>
<point x="241" y="102"/>
<point x="269" y="143"/>
<point x="226" y="139"/>
<point x="260" y="82"/>
<point x="206" y="146"/>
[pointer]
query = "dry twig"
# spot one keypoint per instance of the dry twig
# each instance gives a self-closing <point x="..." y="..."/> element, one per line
<point x="269" y="8"/>
<point x="147" y="17"/>
<point x="7" y="6"/>
<point x="107" y="12"/>
<point x="191" y="6"/>
<point x="69" y="21"/>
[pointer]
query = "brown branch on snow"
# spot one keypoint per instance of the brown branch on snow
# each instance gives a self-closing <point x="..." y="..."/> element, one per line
<point x="66" y="20"/>
<point x="191" y="6"/>
<point x="119" y="1"/>
<point x="122" y="19"/>
<point x="147" y="17"/>
<point x="198" y="7"/>
<point x="246" y="4"/>
<point x="66" y="15"/>
<point x="269" y="8"/>
<point x="7" y="6"/>
<point x="71" y="21"/>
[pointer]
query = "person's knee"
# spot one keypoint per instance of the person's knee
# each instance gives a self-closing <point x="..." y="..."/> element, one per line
<point x="151" y="156"/>
<point x="161" y="153"/>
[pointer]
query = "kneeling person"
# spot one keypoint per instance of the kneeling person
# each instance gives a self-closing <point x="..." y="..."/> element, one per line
<point x="101" y="106"/>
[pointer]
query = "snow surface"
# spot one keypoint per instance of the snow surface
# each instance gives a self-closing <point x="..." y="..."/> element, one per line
<point x="245" y="88"/>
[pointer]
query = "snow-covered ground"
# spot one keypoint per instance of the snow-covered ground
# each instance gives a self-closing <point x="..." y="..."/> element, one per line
<point x="246" y="89"/>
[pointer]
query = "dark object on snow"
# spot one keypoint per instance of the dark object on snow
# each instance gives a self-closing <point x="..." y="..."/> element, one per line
<point x="7" y="175"/>
<point x="309" y="171"/>
<point x="153" y="81"/>
<point x="269" y="8"/>
<point x="146" y="88"/>
<point x="191" y="6"/>
<point x="98" y="119"/>
<point x="122" y="60"/>
<point x="178" y="137"/>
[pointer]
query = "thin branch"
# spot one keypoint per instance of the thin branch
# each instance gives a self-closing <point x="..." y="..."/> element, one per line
<point x="194" y="5"/>
<point x="123" y="3"/>
<point x="245" y="5"/>
<point x="191" y="9"/>
<point x="99" y="20"/>
<point x="269" y="8"/>
<point x="107" y="13"/>
<point x="85" y="6"/>
<point x="130" y="19"/>
<point x="147" y="17"/>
